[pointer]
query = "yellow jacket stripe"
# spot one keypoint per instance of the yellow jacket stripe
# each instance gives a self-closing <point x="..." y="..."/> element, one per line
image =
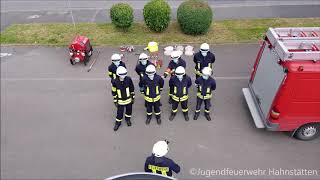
<point x="124" y="102"/>
<point x="183" y="98"/>
<point x="148" y="99"/>
<point x="208" y="96"/>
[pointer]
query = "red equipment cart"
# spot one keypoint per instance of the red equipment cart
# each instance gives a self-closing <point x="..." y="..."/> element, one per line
<point x="80" y="50"/>
<point x="284" y="88"/>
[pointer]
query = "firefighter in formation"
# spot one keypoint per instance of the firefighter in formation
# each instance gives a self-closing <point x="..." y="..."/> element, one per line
<point x="159" y="164"/>
<point x="179" y="85"/>
<point x="205" y="85"/>
<point x="142" y="64"/>
<point x="204" y="58"/>
<point x="175" y="62"/>
<point x="151" y="85"/>
<point x="123" y="96"/>
<point x="116" y="62"/>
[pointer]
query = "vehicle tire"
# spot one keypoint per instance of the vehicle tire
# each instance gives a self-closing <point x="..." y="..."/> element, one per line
<point x="308" y="132"/>
<point x="72" y="62"/>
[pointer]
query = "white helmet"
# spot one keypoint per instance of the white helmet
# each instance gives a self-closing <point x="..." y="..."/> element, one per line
<point x="121" y="71"/>
<point x="115" y="57"/>
<point x="180" y="71"/>
<point x="151" y="69"/>
<point x="204" y="47"/>
<point x="160" y="148"/>
<point x="143" y="56"/>
<point x="175" y="54"/>
<point x="207" y="71"/>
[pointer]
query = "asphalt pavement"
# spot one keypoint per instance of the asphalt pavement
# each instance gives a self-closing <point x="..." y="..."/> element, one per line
<point x="57" y="120"/>
<point x="69" y="11"/>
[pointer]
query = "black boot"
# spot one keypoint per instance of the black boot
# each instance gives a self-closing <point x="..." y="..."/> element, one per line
<point x="196" y="115"/>
<point x="116" y="126"/>
<point x="207" y="115"/>
<point x="148" y="119"/>
<point x="158" y="119"/>
<point x="128" y="121"/>
<point x="186" y="116"/>
<point x="172" y="116"/>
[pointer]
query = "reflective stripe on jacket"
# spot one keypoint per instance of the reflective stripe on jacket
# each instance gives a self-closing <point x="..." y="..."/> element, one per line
<point x="122" y="91"/>
<point x="179" y="89"/>
<point x="205" y="87"/>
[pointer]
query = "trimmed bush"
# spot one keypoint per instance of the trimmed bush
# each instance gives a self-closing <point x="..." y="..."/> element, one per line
<point x="121" y="15"/>
<point x="156" y="15"/>
<point x="194" y="17"/>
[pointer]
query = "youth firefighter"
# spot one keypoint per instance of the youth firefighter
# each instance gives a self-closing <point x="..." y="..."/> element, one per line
<point x="204" y="58"/>
<point x="175" y="62"/>
<point x="123" y="96"/>
<point x="179" y="85"/>
<point x="142" y="65"/>
<point x="116" y="62"/>
<point x="205" y="85"/>
<point x="159" y="164"/>
<point x="152" y="85"/>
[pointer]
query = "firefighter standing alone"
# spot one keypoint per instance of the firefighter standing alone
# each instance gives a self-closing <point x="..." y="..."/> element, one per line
<point x="151" y="87"/>
<point x="204" y="58"/>
<point x="116" y="62"/>
<point x="123" y="96"/>
<point x="205" y="85"/>
<point x="159" y="164"/>
<point x="179" y="85"/>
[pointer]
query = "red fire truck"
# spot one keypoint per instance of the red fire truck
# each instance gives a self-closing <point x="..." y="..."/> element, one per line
<point x="284" y="89"/>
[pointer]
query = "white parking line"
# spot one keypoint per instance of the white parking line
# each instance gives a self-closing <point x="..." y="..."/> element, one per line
<point x="33" y="16"/>
<point x="103" y="79"/>
<point x="5" y="54"/>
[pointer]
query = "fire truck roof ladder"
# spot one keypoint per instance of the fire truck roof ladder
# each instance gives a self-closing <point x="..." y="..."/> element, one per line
<point x="295" y="43"/>
<point x="293" y="33"/>
<point x="298" y="50"/>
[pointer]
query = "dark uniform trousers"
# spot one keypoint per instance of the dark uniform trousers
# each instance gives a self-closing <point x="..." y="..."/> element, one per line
<point x="184" y="106"/>
<point x="207" y="105"/>
<point x="126" y="110"/>
<point x="153" y="107"/>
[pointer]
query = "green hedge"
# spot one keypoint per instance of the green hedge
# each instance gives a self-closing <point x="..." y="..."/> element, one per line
<point x="194" y="17"/>
<point x="121" y="15"/>
<point x="156" y="15"/>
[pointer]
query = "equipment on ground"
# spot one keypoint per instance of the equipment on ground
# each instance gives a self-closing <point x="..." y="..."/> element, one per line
<point x="188" y="50"/>
<point x="94" y="61"/>
<point x="153" y="49"/>
<point x="127" y="48"/>
<point x="80" y="50"/>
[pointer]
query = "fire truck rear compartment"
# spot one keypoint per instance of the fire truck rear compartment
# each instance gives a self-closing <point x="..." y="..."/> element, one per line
<point x="262" y="90"/>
